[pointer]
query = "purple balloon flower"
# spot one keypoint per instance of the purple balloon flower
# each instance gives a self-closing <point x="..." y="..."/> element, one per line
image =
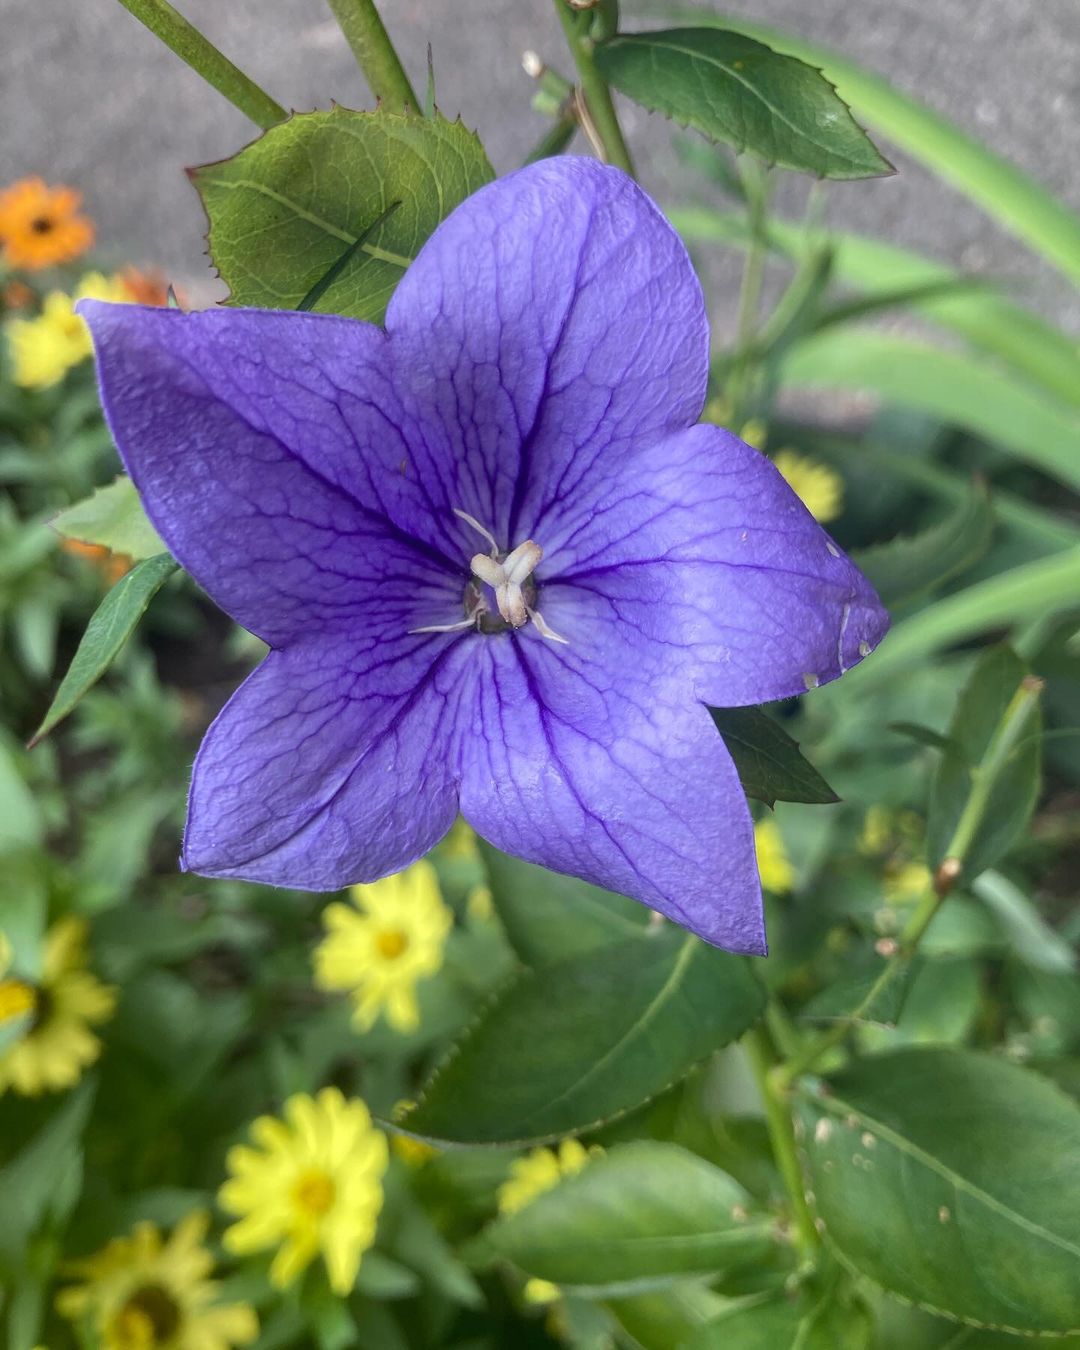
<point x="499" y="569"/>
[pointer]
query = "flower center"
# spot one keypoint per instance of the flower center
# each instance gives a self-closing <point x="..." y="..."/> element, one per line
<point x="148" y="1319"/>
<point x="16" y="999"/>
<point x="314" y="1192"/>
<point x="507" y="578"/>
<point x="391" y="943"/>
<point x="42" y="224"/>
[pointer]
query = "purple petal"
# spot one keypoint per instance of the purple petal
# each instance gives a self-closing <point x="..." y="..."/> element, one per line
<point x="266" y="452"/>
<point x="330" y="765"/>
<point x="549" y="324"/>
<point x="706" y="547"/>
<point x="589" y="759"/>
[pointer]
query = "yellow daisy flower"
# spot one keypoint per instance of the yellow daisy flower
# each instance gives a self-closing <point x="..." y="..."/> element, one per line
<point x="774" y="866"/>
<point x="41" y="226"/>
<point x="44" y="349"/>
<point x="379" y="950"/>
<point x="820" y="488"/>
<point x="313" y="1184"/>
<point x="540" y="1170"/>
<point x="145" y="1293"/>
<point x="57" y="1043"/>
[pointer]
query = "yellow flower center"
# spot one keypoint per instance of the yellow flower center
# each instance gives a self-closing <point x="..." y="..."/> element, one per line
<point x="149" y="1318"/>
<point x="16" y="999"/>
<point x="391" y="943"/>
<point x="314" y="1192"/>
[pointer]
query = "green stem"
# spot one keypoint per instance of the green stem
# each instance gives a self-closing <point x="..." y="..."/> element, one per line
<point x="984" y="777"/>
<point x="763" y="1063"/>
<point x="754" y="185"/>
<point x="594" y="87"/>
<point x="202" y="56"/>
<point x="367" y="36"/>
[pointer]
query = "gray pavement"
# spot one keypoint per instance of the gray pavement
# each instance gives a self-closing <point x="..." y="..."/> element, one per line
<point x="88" y="96"/>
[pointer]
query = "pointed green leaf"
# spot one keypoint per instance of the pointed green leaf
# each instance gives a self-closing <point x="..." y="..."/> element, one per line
<point x="113" y="622"/>
<point x="112" y="517"/>
<point x="979" y="710"/>
<point x="549" y="917"/>
<point x="287" y="208"/>
<point x="949" y="1178"/>
<point x="572" y="1045"/>
<point x="641" y="1216"/>
<point x="734" y="89"/>
<point x="911" y="565"/>
<point x="770" y="765"/>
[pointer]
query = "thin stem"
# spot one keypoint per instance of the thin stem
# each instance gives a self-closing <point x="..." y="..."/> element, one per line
<point x="762" y="1058"/>
<point x="202" y="56"/>
<point x="594" y="87"/>
<point x="367" y="36"/>
<point x="984" y="776"/>
<point x="754" y="185"/>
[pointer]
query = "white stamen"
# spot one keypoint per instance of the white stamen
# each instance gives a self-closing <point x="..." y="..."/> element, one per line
<point x="543" y="629"/>
<point x="507" y="577"/>
<point x="487" y="569"/>
<point x="471" y="520"/>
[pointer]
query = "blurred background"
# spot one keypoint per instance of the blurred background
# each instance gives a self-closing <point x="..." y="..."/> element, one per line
<point x="90" y="98"/>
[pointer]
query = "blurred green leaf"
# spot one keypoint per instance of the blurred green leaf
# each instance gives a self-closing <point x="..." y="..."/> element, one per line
<point x="1007" y="194"/>
<point x="112" y="518"/>
<point x="660" y="1320"/>
<point x="979" y="711"/>
<point x="962" y="390"/>
<point x="1042" y="587"/>
<point x="875" y="268"/>
<point x="734" y="89"/>
<point x="642" y="1215"/>
<point x="32" y="1182"/>
<point x="941" y="1004"/>
<point x="910" y="565"/>
<point x="949" y="1178"/>
<point x="113" y="622"/>
<point x="574" y="1044"/>
<point x="770" y="765"/>
<point x="549" y="917"/>
<point x="1030" y="937"/>
<point x="818" y="1318"/>
<point x="287" y="207"/>
<point x="21" y="823"/>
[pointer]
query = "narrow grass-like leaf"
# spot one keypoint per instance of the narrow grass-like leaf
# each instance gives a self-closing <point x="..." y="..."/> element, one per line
<point x="949" y="1178"/>
<point x="1005" y="192"/>
<point x="645" y="1214"/>
<point x="572" y="1045"/>
<point x="770" y="765"/>
<point x="285" y="210"/>
<point x="910" y="566"/>
<point x="113" y="622"/>
<point x="112" y="517"/>
<point x="734" y="89"/>
<point x="960" y="389"/>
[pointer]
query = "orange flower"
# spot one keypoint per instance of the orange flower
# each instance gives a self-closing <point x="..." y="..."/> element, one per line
<point x="41" y="225"/>
<point x="112" y="565"/>
<point x="145" y="288"/>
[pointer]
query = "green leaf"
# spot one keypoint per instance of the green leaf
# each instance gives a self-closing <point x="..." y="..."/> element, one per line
<point x="734" y="89"/>
<point x="113" y="622"/>
<point x="909" y="566"/>
<point x="285" y="210"/>
<point x="549" y="917"/>
<point x="666" y="1318"/>
<point x="641" y="1216"/>
<point x="949" y="1178"/>
<point x="572" y="1045"/>
<point x="1043" y="587"/>
<point x="114" y="518"/>
<point x="820" y="1318"/>
<point x="979" y="710"/>
<point x="1010" y="196"/>
<point x="769" y="763"/>
<point x="962" y="390"/>
<point x="1030" y="937"/>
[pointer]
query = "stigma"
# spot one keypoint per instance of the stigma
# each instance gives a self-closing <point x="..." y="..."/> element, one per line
<point x="510" y="578"/>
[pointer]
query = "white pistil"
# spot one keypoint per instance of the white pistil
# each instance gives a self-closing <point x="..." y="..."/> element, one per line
<point x="506" y="576"/>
